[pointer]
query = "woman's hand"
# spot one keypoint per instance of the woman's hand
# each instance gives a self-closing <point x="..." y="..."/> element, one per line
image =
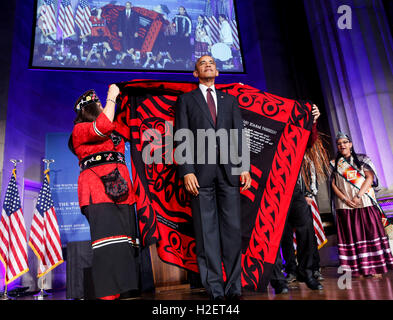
<point x="349" y="202"/>
<point x="110" y="106"/>
<point x="357" y="201"/>
<point x="342" y="196"/>
<point x="315" y="112"/>
<point x="113" y="92"/>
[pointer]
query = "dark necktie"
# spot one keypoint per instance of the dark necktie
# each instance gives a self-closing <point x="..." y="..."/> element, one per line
<point x="211" y="104"/>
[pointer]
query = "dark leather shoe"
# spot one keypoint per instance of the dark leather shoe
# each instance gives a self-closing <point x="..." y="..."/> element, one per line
<point x="234" y="297"/>
<point x="317" y="275"/>
<point x="280" y="287"/>
<point x="313" y="284"/>
<point x="219" y="298"/>
<point x="281" y="290"/>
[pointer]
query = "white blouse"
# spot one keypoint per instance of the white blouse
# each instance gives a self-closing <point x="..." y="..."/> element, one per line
<point x="350" y="191"/>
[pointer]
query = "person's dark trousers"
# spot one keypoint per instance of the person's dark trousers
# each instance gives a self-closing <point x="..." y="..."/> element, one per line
<point x="288" y="251"/>
<point x="277" y="275"/>
<point x="277" y="278"/>
<point x="315" y="257"/>
<point x="194" y="279"/>
<point x="216" y="217"/>
<point x="300" y="218"/>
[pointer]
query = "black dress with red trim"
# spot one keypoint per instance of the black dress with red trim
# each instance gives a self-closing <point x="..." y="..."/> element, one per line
<point x="112" y="224"/>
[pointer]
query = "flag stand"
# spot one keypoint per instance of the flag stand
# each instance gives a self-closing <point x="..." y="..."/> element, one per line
<point x="5" y="295"/>
<point x="42" y="294"/>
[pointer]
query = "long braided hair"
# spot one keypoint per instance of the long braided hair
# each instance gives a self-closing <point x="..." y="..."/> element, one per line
<point x="319" y="156"/>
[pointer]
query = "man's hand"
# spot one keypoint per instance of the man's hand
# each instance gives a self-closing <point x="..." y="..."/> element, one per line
<point x="315" y="112"/>
<point x="191" y="184"/>
<point x="245" y="179"/>
<point x="120" y="34"/>
<point x="308" y="200"/>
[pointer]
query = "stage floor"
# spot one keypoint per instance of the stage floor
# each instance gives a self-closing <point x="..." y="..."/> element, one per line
<point x="356" y="289"/>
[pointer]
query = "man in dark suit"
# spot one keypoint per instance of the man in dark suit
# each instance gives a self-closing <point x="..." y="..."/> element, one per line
<point x="128" y="28"/>
<point x="213" y="180"/>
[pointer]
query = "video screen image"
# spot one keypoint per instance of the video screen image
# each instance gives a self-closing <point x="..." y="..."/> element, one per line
<point x="149" y="35"/>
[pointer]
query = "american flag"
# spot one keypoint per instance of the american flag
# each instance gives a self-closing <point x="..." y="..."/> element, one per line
<point x="82" y="18"/>
<point x="44" y="231"/>
<point x="13" y="248"/>
<point x="318" y="227"/>
<point x="214" y="26"/>
<point x="48" y="17"/>
<point x="66" y="19"/>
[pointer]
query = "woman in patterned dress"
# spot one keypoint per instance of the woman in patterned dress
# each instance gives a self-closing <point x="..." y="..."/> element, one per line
<point x="363" y="245"/>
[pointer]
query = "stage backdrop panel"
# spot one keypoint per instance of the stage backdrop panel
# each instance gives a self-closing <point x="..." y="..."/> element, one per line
<point x="278" y="130"/>
<point x="64" y="174"/>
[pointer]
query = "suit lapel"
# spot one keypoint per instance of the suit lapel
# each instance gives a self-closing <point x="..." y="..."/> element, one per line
<point x="198" y="96"/>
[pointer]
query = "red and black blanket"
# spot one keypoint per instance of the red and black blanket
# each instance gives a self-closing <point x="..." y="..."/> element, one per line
<point x="278" y="130"/>
<point x="148" y="33"/>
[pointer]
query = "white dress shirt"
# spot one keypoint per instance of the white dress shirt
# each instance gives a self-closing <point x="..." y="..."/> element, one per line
<point x="204" y="88"/>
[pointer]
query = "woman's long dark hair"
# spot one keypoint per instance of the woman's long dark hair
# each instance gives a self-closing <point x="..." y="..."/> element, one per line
<point x="88" y="113"/>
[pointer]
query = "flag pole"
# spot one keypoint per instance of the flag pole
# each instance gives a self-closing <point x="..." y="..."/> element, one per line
<point x="42" y="294"/>
<point x="5" y="295"/>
